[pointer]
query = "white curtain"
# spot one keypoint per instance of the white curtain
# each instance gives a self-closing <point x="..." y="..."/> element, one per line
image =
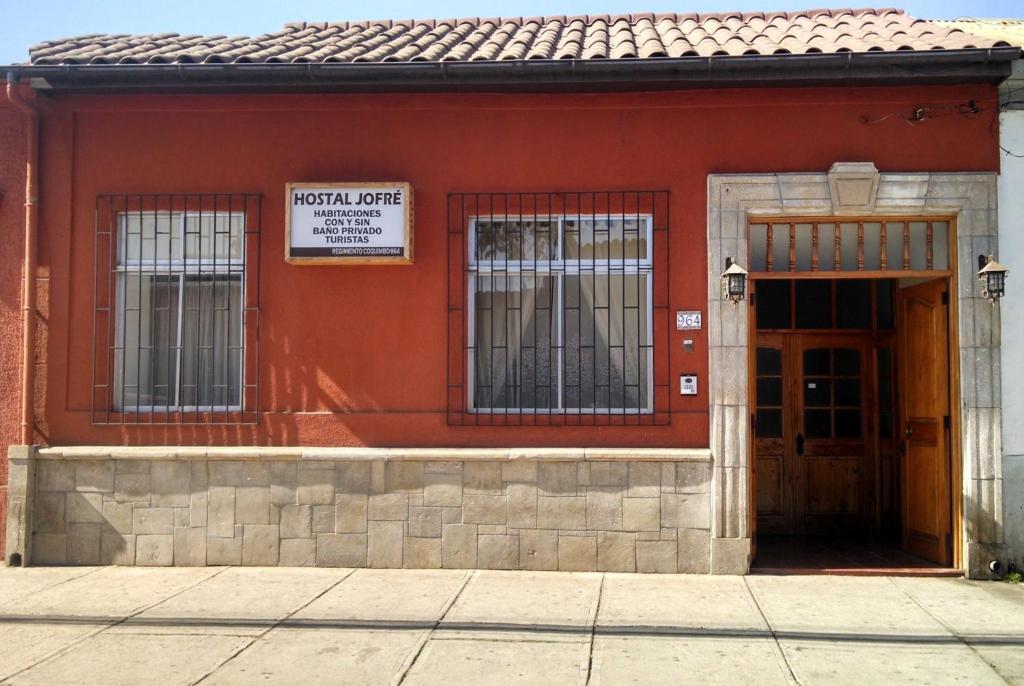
<point x="514" y="342"/>
<point x="606" y="353"/>
<point x="146" y="338"/>
<point x="211" y="342"/>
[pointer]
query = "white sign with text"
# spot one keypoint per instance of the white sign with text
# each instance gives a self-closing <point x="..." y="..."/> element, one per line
<point x="355" y="223"/>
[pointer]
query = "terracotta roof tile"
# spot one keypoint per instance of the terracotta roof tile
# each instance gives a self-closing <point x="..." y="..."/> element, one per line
<point x="636" y="36"/>
<point x="1008" y="30"/>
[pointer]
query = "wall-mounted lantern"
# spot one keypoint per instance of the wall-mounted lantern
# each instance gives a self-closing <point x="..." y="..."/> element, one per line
<point x="992" y="276"/>
<point x="734" y="281"/>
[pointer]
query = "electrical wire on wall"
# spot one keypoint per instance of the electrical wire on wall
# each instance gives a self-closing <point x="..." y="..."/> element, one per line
<point x="969" y="110"/>
<point x="1010" y="98"/>
<point x="1011" y="102"/>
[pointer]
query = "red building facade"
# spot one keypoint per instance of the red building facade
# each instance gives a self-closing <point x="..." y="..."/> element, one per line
<point x="360" y="356"/>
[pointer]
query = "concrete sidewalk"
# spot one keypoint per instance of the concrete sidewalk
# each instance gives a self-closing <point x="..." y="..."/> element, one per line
<point x="119" y="625"/>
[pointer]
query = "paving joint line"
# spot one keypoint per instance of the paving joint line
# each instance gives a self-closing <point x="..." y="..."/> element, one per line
<point x="92" y="634"/>
<point x="273" y="625"/>
<point x="948" y="628"/>
<point x="415" y="654"/>
<point x="593" y="630"/>
<point x="59" y="583"/>
<point x="771" y="629"/>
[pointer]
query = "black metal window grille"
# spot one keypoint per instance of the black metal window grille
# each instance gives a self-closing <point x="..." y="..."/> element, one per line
<point x="555" y="304"/>
<point x="176" y="309"/>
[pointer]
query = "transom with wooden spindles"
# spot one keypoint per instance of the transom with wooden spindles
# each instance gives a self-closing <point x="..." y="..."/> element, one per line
<point x="840" y="247"/>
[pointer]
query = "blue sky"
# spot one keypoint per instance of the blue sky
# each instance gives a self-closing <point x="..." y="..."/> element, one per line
<point x="25" y="22"/>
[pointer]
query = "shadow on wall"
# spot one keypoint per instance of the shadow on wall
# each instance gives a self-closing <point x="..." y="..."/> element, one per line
<point x="984" y="527"/>
<point x="295" y="386"/>
<point x="122" y="512"/>
<point x="1013" y="506"/>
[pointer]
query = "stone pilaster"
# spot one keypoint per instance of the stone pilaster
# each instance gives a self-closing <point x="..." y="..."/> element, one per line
<point x="20" y="492"/>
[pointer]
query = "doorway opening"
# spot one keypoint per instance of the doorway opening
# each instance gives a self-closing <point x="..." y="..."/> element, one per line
<point x="850" y="386"/>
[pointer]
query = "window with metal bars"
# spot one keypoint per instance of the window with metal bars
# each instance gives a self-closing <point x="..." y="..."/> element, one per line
<point x="556" y="306"/>
<point x="176" y="314"/>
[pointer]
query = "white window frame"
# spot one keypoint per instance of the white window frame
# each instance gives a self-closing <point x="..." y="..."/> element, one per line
<point x="558" y="268"/>
<point x="180" y="267"/>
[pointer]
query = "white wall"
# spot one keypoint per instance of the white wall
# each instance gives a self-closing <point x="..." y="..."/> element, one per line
<point x="1011" y="254"/>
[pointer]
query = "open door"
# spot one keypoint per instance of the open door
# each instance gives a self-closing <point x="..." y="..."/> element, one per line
<point x="923" y="336"/>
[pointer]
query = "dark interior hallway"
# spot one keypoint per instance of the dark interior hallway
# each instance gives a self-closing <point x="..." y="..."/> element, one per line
<point x="837" y="555"/>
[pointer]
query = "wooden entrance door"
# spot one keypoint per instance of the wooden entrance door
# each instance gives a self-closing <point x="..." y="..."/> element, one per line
<point x="773" y="435"/>
<point x="813" y="455"/>
<point x="831" y="443"/>
<point x="923" y="336"/>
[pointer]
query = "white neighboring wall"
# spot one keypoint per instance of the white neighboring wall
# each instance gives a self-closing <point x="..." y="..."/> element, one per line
<point x="1011" y="254"/>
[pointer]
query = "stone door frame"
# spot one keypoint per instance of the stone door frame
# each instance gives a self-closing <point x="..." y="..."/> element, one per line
<point x="969" y="197"/>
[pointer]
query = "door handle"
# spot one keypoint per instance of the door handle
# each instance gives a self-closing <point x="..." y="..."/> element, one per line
<point x="907" y="431"/>
<point x="799" y="444"/>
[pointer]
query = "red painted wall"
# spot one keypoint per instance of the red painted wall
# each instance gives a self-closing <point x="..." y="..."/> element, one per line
<point x="12" y="212"/>
<point x="356" y="355"/>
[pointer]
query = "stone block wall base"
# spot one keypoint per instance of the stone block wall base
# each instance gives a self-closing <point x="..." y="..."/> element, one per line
<point x="21" y="478"/>
<point x="730" y="555"/>
<point x="640" y="515"/>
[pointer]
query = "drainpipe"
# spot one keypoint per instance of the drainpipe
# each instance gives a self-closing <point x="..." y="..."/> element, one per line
<point x="28" y="293"/>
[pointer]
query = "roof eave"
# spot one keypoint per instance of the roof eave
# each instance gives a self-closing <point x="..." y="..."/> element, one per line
<point x="990" y="65"/>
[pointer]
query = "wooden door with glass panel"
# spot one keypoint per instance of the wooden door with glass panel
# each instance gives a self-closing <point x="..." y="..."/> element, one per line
<point x="773" y="440"/>
<point x="813" y="467"/>
<point x="816" y="406"/>
<point x="832" y="457"/>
